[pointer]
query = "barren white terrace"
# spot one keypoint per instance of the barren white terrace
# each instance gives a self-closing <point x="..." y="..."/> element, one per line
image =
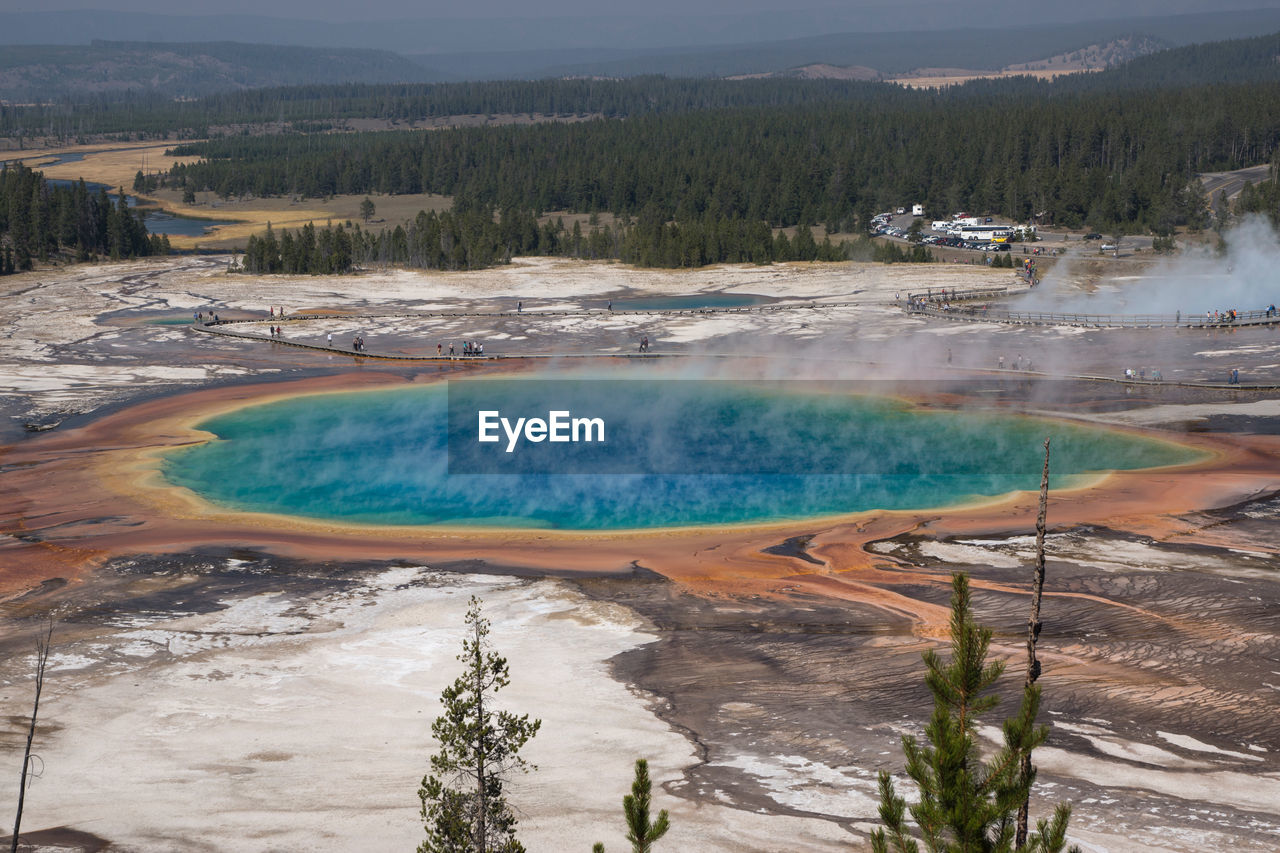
<point x="285" y="724"/>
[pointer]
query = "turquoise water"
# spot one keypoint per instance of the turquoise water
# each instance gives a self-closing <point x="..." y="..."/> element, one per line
<point x="689" y="303"/>
<point x="717" y="453"/>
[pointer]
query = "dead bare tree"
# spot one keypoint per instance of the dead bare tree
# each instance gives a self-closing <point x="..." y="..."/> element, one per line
<point x="1033" y="634"/>
<point x="42" y="658"/>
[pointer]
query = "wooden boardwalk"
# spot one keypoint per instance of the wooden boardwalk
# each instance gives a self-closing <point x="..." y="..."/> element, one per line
<point x="943" y="306"/>
<point x="220" y="328"/>
<point x="223" y="327"/>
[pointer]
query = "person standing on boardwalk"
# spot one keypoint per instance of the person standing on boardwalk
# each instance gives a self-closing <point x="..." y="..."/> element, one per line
<point x="331" y="339"/>
<point x="439" y="350"/>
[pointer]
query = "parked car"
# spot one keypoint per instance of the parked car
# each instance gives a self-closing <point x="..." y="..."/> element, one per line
<point x="1093" y="236"/>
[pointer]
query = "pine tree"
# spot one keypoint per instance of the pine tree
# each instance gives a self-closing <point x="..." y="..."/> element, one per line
<point x="463" y="807"/>
<point x="635" y="806"/>
<point x="967" y="805"/>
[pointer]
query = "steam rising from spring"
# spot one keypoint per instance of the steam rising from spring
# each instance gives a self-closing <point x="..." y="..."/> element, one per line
<point x="1245" y="278"/>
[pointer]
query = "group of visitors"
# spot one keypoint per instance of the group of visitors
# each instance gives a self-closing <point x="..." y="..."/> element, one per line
<point x="1140" y="374"/>
<point x="276" y="332"/>
<point x="357" y="343"/>
<point x="1233" y="378"/>
<point x="1018" y="363"/>
<point x="199" y="317"/>
<point x="469" y="348"/>
<point x="277" y="310"/>
<point x="1232" y="315"/>
<point x="920" y="303"/>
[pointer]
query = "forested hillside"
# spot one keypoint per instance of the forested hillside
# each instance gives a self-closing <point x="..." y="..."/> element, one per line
<point x="1263" y="198"/>
<point x="320" y="107"/>
<point x="38" y="220"/>
<point x="1250" y="60"/>
<point x="705" y="170"/>
<point x="37" y="73"/>
<point x="1118" y="159"/>
<point x="472" y="238"/>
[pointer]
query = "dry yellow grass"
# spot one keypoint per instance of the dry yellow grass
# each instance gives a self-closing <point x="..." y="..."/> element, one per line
<point x="252" y="215"/>
<point x="116" y="164"/>
<point x="941" y="80"/>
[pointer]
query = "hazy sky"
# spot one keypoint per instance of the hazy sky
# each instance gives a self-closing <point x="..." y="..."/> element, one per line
<point x="342" y="10"/>
<point x="1021" y="11"/>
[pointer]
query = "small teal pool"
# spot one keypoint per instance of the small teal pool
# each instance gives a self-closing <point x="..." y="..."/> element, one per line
<point x="678" y="454"/>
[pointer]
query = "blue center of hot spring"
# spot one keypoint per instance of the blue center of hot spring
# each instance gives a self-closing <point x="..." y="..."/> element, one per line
<point x="678" y="453"/>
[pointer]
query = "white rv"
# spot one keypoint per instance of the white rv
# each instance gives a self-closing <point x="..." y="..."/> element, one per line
<point x="986" y="233"/>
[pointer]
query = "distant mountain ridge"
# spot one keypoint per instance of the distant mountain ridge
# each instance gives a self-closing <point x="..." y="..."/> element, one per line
<point x="1092" y="57"/>
<point x="1243" y="60"/>
<point x="617" y="28"/>
<point x="42" y="72"/>
<point x="1115" y="52"/>
<point x="900" y="52"/>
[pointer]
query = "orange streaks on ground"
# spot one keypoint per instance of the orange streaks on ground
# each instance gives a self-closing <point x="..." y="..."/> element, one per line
<point x="79" y="497"/>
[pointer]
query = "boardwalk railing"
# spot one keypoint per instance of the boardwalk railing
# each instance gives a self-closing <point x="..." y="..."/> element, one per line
<point x="969" y="294"/>
<point x="534" y="313"/>
<point x="986" y="314"/>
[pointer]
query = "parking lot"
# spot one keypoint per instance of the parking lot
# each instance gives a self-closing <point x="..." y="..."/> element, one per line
<point x="1049" y="241"/>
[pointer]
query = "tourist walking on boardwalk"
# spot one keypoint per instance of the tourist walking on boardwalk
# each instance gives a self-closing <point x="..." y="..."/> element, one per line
<point x="439" y="350"/>
<point x="331" y="339"/>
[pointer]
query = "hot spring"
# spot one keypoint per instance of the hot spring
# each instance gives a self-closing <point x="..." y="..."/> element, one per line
<point x="676" y="453"/>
